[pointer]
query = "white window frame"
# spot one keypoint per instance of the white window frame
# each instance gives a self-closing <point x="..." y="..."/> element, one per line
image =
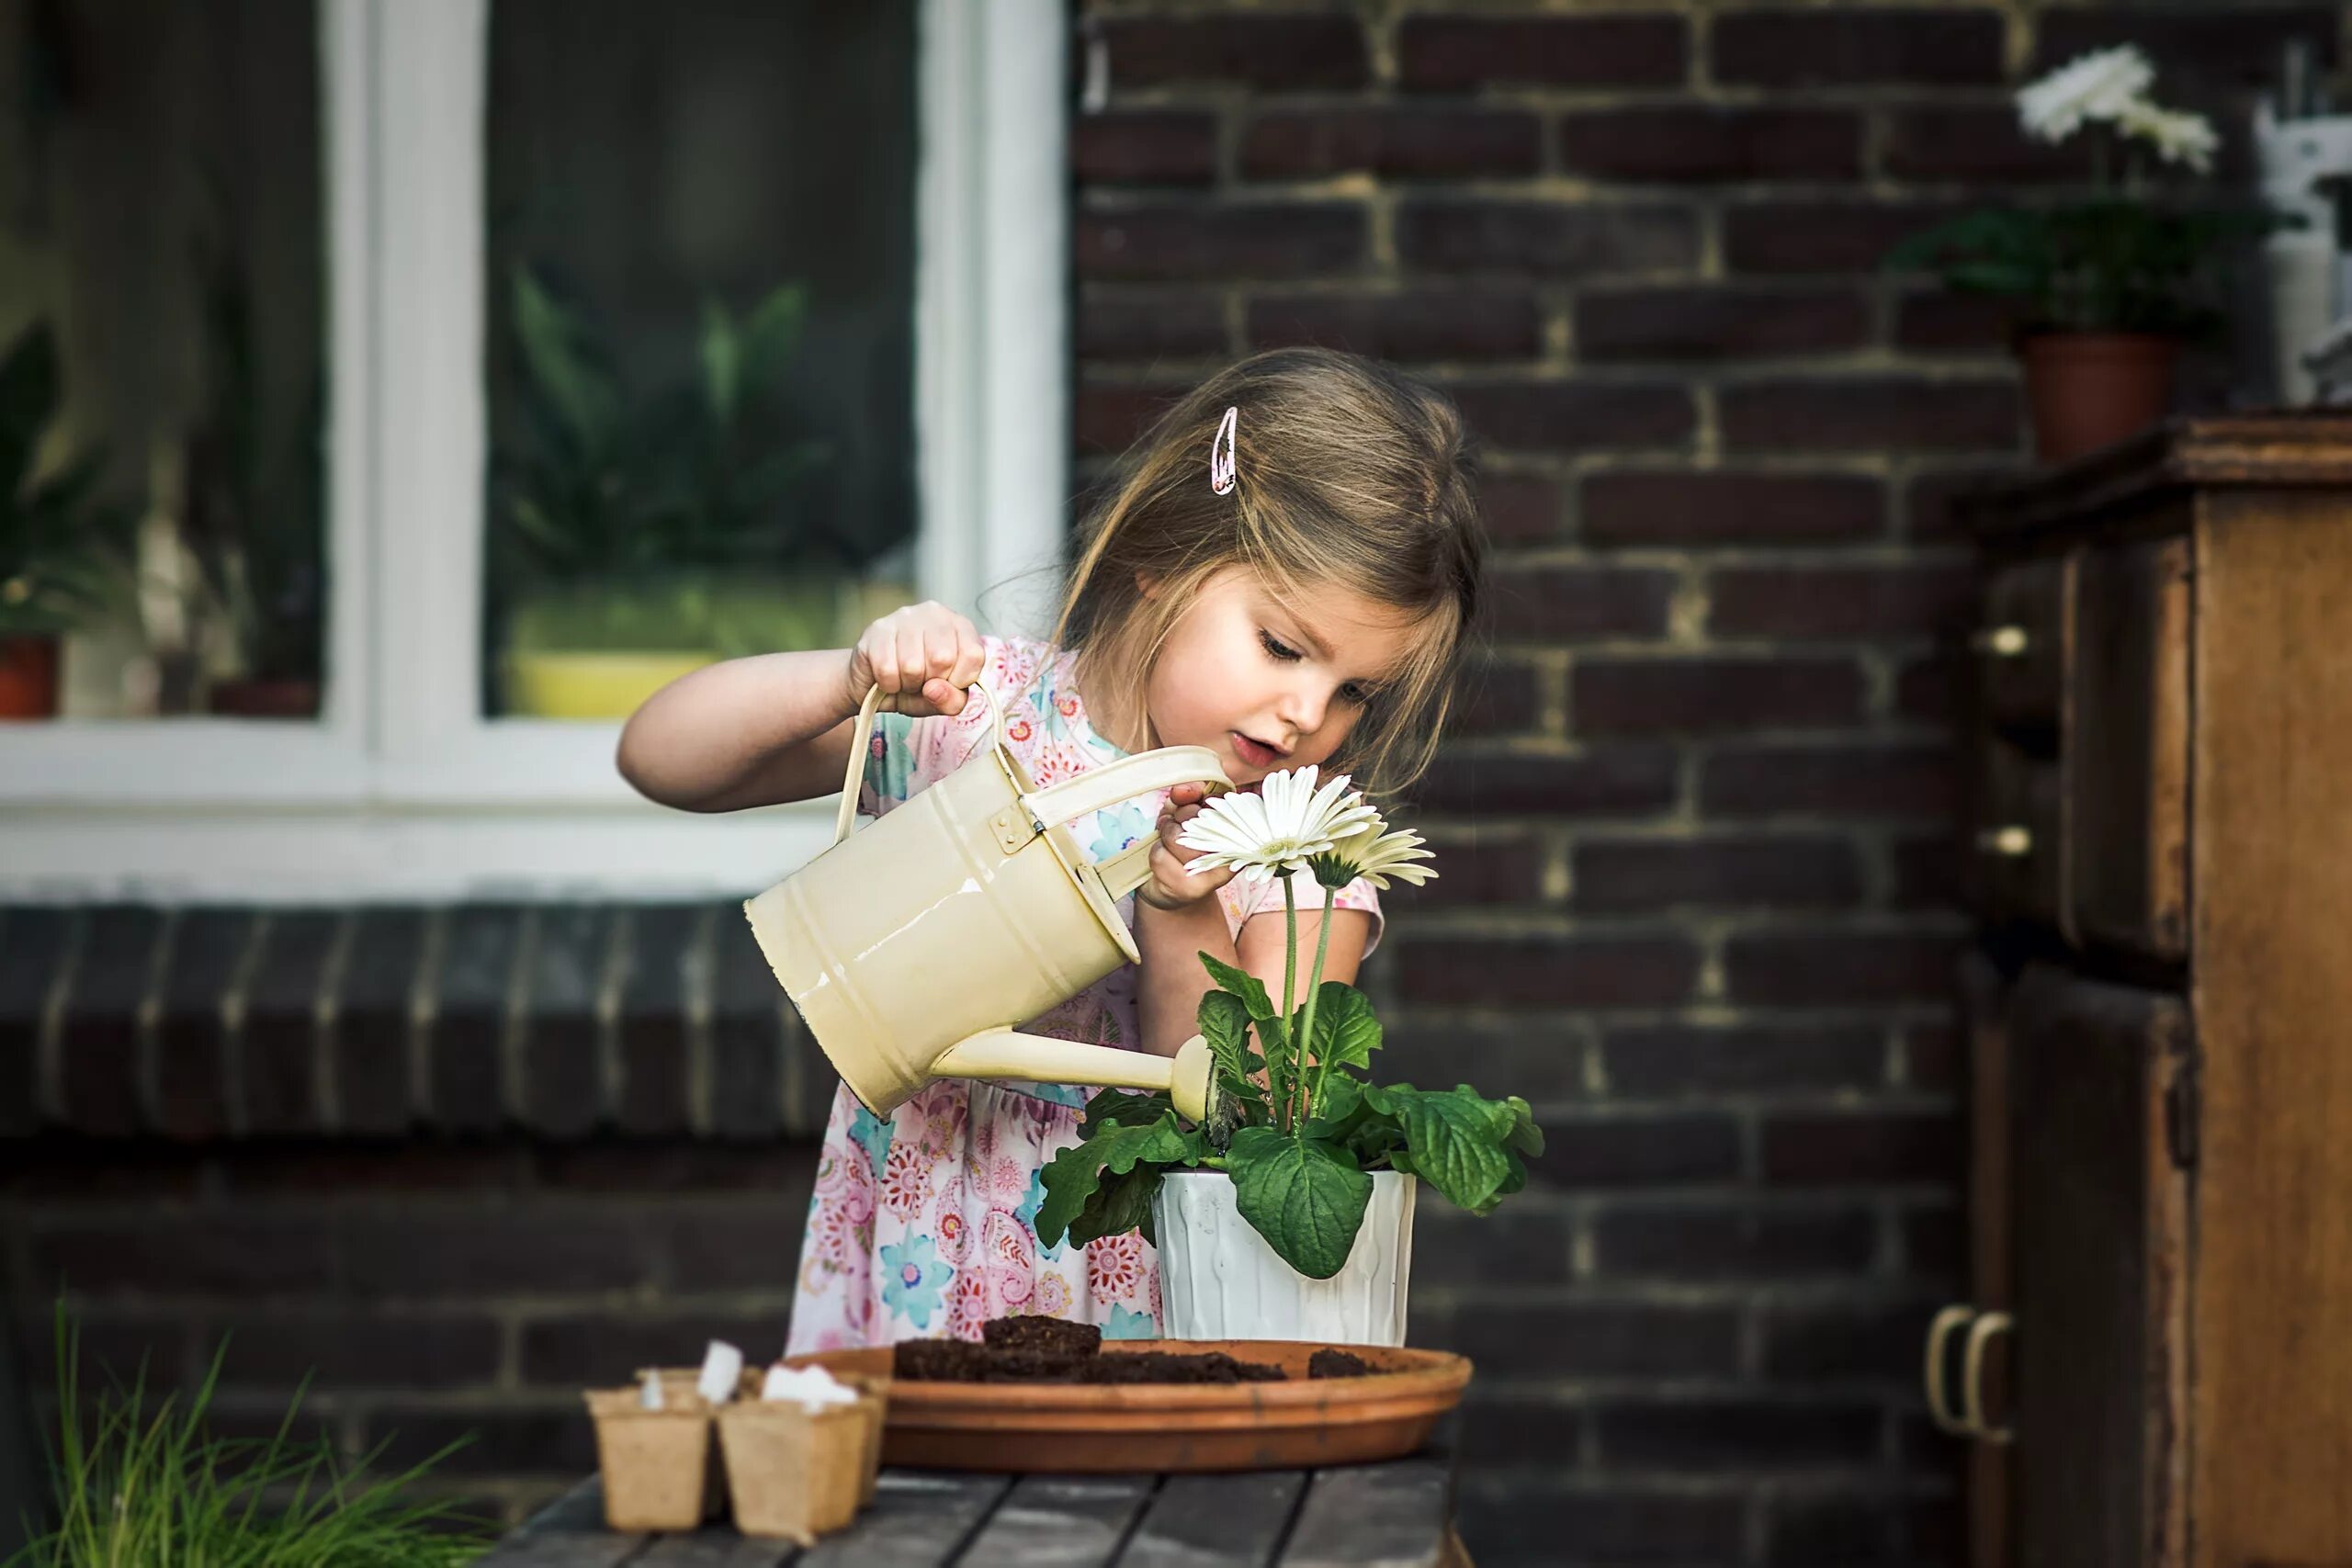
<point x="402" y="790"/>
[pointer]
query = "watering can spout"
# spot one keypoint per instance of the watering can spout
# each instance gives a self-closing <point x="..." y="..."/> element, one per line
<point x="1009" y="1053"/>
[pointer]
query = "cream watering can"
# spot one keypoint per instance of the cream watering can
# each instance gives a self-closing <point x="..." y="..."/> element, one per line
<point x="912" y="948"/>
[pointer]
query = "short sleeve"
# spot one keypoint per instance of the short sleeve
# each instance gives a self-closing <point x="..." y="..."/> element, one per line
<point x="906" y="756"/>
<point x="1244" y="901"/>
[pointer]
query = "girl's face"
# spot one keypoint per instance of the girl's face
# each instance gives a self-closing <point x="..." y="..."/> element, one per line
<point x="1268" y="687"/>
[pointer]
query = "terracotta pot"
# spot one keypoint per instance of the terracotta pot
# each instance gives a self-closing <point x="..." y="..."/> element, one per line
<point x="28" y="677"/>
<point x="2091" y="389"/>
<point x="265" y="696"/>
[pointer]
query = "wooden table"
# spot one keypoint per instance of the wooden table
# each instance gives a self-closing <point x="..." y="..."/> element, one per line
<point x="1397" y="1515"/>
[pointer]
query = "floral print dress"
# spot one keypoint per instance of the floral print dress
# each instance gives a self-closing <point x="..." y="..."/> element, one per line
<point x="924" y="1222"/>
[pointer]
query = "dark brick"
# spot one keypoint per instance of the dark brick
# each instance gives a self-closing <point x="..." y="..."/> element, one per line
<point x="740" y="1245"/>
<point x="1173" y="324"/>
<point x="190" y="1252"/>
<point x="1924" y="872"/>
<point x="1417" y="324"/>
<point x="1822" y="49"/>
<point x="598" y="1351"/>
<point x="1620" y="1151"/>
<point x="1395" y="143"/>
<point x="1575" y="416"/>
<point x="34" y="942"/>
<point x="1447" y="53"/>
<point x="749" y="1046"/>
<point x="1600" y="781"/>
<point x="1864" y="1341"/>
<point x="1713" y="873"/>
<point x="1668" y="507"/>
<point x="1939" y="322"/>
<point x="1929" y="500"/>
<point x="1914" y="781"/>
<point x="473" y="999"/>
<point x="1596" y="1339"/>
<point x="1805" y="1530"/>
<point x="1584" y="239"/>
<point x="282" y="1041"/>
<point x="1737" y="1435"/>
<point x="1497" y="698"/>
<point x="1714" y="323"/>
<point x="2238" y="44"/>
<point x="1860" y="1148"/>
<point x="1144" y="147"/>
<point x="1651" y="1061"/>
<point x="1801" y="604"/>
<point x="339" y="1351"/>
<point x="1109" y="419"/>
<point x="375" y="1022"/>
<point x="1611" y="1520"/>
<point x="1196" y="242"/>
<point x="1931" y="1057"/>
<point x="1929" y="688"/>
<point x="100" y="1046"/>
<point x="1513" y="1246"/>
<point x="1692" y="143"/>
<point x="280" y="1170"/>
<point x="1830" y="968"/>
<point x="113" y="1346"/>
<point x="675" y="1166"/>
<point x="1520" y="508"/>
<point x="1935" y="1243"/>
<point x="191" y="1045"/>
<point x="485" y="1252"/>
<point x="1562" y="604"/>
<point x="1821" y="235"/>
<point x="1871" y="413"/>
<point x="1513" y="1433"/>
<point x="1315" y="50"/>
<point x="1582" y="970"/>
<point x="564" y="1083"/>
<point x="1496" y="867"/>
<point x="503" y="1440"/>
<point x="655" y="1058"/>
<point x="1611" y="696"/>
<point x="1727" y="1242"/>
<point x="1540" y="1059"/>
<point x="1985" y="146"/>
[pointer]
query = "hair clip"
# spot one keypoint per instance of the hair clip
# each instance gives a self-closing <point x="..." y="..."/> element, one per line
<point x="1221" y="453"/>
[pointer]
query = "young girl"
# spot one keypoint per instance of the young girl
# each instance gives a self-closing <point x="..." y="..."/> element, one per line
<point x="1283" y="574"/>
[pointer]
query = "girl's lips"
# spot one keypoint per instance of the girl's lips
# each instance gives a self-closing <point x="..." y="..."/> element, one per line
<point x="1255" y="753"/>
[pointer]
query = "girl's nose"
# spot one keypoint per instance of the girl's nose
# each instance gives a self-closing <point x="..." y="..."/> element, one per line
<point x="1303" y="706"/>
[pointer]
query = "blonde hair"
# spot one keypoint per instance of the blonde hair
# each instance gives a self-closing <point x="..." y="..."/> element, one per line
<point x="1350" y="473"/>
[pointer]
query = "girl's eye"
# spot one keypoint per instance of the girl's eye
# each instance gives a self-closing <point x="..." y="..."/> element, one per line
<point x="1355" y="695"/>
<point x="1277" y="648"/>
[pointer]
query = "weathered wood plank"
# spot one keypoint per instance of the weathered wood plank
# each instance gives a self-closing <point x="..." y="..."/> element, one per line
<point x="1216" y="1521"/>
<point x="1374" y="1515"/>
<point x="716" y="1546"/>
<point x="566" y="1549"/>
<point x="1061" y="1521"/>
<point x="917" y="1519"/>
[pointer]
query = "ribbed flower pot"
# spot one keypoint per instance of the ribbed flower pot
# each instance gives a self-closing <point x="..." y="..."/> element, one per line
<point x="1218" y="1280"/>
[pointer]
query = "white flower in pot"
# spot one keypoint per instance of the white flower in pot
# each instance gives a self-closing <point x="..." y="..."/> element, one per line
<point x="1289" y="1215"/>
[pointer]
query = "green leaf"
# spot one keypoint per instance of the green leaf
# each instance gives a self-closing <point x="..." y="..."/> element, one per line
<point x="1224" y="1022"/>
<point x="1072" y="1176"/>
<point x="1242" y="984"/>
<point x="1347" y="1031"/>
<point x="1121" y="1204"/>
<point x="1119" y="1105"/>
<point x="1303" y="1196"/>
<point x="723" y="362"/>
<point x="554" y="348"/>
<point x="1524" y="1135"/>
<point x="1454" y="1138"/>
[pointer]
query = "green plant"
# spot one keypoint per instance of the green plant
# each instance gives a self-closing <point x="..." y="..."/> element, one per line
<point x="606" y="483"/>
<point x="144" y="1483"/>
<point x="63" y="550"/>
<point x="2125" y="259"/>
<point x="1296" y="1122"/>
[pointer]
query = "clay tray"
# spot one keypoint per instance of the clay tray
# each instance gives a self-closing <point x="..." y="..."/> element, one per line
<point x="1294" y="1424"/>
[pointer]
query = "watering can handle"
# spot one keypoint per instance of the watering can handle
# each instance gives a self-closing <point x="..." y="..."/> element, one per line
<point x="1122" y="780"/>
<point x="862" y="737"/>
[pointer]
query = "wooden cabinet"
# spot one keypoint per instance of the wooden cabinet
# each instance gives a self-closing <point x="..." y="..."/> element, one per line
<point x="2154" y="1365"/>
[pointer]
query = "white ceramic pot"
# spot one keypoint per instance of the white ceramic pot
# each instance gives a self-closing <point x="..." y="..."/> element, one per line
<point x="1218" y="1280"/>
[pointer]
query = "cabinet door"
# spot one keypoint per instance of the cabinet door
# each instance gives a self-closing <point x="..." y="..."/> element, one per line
<point x="1983" y="1001"/>
<point x="2099" y="1242"/>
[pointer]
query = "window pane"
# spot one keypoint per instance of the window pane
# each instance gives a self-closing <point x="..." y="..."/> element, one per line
<point x="701" y="234"/>
<point x="162" y="377"/>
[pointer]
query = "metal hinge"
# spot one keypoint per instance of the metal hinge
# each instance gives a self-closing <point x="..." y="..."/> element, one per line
<point x="2182" y="1105"/>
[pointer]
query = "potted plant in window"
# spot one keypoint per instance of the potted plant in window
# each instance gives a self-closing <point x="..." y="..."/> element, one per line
<point x="59" y="546"/>
<point x="1289" y="1215"/>
<point x="646" y="536"/>
<point x="2111" y="286"/>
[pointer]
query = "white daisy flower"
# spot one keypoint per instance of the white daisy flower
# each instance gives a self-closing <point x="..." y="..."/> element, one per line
<point x="2178" y="136"/>
<point x="1375" y="854"/>
<point x="2097" y="87"/>
<point x="1286" y="823"/>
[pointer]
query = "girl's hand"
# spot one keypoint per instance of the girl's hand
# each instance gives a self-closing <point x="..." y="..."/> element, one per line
<point x="922" y="656"/>
<point x="1171" y="886"/>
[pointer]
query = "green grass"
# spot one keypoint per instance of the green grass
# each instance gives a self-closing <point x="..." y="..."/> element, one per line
<point x="144" y="1484"/>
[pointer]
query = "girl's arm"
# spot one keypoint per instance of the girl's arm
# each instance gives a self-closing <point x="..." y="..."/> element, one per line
<point x="1168" y="998"/>
<point x="776" y="727"/>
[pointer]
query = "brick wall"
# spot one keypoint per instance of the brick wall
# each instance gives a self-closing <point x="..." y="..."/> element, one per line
<point x="1698" y="849"/>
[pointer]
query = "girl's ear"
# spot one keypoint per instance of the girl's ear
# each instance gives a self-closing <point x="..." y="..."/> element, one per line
<point x="1148" y="583"/>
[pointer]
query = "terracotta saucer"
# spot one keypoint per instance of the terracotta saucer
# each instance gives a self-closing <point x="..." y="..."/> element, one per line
<point x="1294" y="1424"/>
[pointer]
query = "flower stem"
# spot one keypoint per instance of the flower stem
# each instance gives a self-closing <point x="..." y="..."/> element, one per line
<point x="1290" y="989"/>
<point x="1307" y="1024"/>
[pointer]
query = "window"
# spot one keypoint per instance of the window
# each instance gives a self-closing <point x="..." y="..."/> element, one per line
<point x="918" y="415"/>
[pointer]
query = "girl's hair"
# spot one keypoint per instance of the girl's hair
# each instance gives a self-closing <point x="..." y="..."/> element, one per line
<point x="1350" y="473"/>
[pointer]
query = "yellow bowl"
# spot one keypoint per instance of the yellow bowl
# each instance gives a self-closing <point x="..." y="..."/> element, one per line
<point x="592" y="685"/>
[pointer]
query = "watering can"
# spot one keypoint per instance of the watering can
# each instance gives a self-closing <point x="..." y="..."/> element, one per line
<point x="913" y="947"/>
